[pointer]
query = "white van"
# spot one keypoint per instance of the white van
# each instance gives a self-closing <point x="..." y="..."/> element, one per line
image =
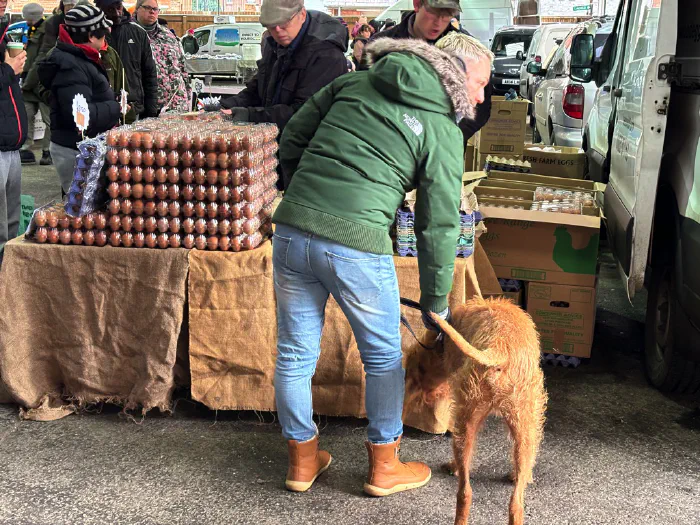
<point x="544" y="41"/>
<point x="644" y="130"/>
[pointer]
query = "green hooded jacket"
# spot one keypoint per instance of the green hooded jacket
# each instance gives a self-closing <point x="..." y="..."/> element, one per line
<point x="30" y="82"/>
<point x="353" y="151"/>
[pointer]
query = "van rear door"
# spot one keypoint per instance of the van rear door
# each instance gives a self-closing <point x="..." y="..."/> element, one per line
<point x="638" y="136"/>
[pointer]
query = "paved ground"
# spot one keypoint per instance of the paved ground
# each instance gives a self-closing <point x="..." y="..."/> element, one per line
<point x="615" y="452"/>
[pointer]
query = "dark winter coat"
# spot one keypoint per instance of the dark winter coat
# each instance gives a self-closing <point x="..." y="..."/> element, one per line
<point x="13" y="116"/>
<point x="318" y="59"/>
<point x="51" y="37"/>
<point x="68" y="71"/>
<point x="30" y="78"/>
<point x="134" y="48"/>
<point x="469" y="127"/>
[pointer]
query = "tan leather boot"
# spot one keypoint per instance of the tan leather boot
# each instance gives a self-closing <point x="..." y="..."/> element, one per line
<point x="306" y="463"/>
<point x="388" y="475"/>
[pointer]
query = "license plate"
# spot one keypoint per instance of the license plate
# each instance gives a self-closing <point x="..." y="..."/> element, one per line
<point x="511" y="81"/>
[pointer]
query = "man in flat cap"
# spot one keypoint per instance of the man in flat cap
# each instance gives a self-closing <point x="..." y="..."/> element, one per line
<point x="304" y="51"/>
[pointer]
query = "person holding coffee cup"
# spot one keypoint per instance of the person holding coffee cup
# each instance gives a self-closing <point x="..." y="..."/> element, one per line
<point x="13" y="133"/>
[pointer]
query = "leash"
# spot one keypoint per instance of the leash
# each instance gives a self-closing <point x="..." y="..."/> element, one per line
<point x="416" y="306"/>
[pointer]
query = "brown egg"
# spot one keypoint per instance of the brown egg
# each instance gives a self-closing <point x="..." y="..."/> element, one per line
<point x="222" y="143"/>
<point x="64" y="236"/>
<point x="100" y="238"/>
<point x="198" y="141"/>
<point x="174" y="224"/>
<point x="174" y="209"/>
<point x="211" y="160"/>
<point x="149" y="208"/>
<point x="151" y="240"/>
<point x="127" y="223"/>
<point x="200" y="192"/>
<point x="186" y="158"/>
<point x="161" y="175"/>
<point x="212" y="210"/>
<point x="151" y="224"/>
<point x="138" y="223"/>
<point x="89" y="221"/>
<point x="126" y="206"/>
<point x="173" y="175"/>
<point x="175" y="240"/>
<point x="125" y="190"/>
<point x="162" y="191"/>
<point x="40" y="218"/>
<point x="188" y="209"/>
<point x="212" y="193"/>
<point x="162" y="208"/>
<point x="213" y="243"/>
<point x="186" y="141"/>
<point x="210" y="143"/>
<point x="137" y="207"/>
<point x="124" y="156"/>
<point x="76" y="223"/>
<point x="173" y="141"/>
<point x="200" y="242"/>
<point x="136" y="157"/>
<point x="224" y="177"/>
<point x="200" y="176"/>
<point x="127" y="239"/>
<point x="200" y="209"/>
<point x="115" y="239"/>
<point x="64" y="222"/>
<point x="112" y="138"/>
<point x="114" y="206"/>
<point x="174" y="192"/>
<point x="115" y="222"/>
<point x="224" y="243"/>
<point x="159" y="140"/>
<point x="149" y="175"/>
<point x="237" y="160"/>
<point x="89" y="238"/>
<point x="224" y="211"/>
<point x="188" y="225"/>
<point x="224" y="193"/>
<point x="137" y="191"/>
<point x="163" y="240"/>
<point x="236" y="227"/>
<point x="187" y="176"/>
<point x="124" y="173"/>
<point x="148" y="158"/>
<point x="199" y="159"/>
<point x="188" y="241"/>
<point x="173" y="158"/>
<point x="137" y="174"/>
<point x="212" y="176"/>
<point x="161" y="158"/>
<point x="52" y="236"/>
<point x="224" y="226"/>
<point x="147" y="140"/>
<point x="135" y="140"/>
<point x="41" y="234"/>
<point x="112" y="156"/>
<point x="124" y="139"/>
<point x="100" y="221"/>
<point x="163" y="225"/>
<point x="188" y="192"/>
<point x="200" y="226"/>
<point x="212" y="226"/>
<point x="113" y="173"/>
<point x="139" y="240"/>
<point x="149" y="191"/>
<point x="223" y="160"/>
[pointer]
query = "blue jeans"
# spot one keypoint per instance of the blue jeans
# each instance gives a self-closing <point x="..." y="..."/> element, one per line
<point x="307" y="269"/>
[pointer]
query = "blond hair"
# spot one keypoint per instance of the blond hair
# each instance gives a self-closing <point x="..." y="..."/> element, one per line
<point x="464" y="46"/>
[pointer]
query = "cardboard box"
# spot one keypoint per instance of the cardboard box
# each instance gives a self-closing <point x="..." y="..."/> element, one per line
<point x="529" y="245"/>
<point x="515" y="297"/>
<point x="480" y="159"/>
<point x="565" y="317"/>
<point x="469" y="153"/>
<point x="494" y="192"/>
<point x="504" y="133"/>
<point x="564" y="162"/>
<point x="535" y="180"/>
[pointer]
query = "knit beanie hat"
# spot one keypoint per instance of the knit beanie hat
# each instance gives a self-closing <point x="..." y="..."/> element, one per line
<point x="86" y="18"/>
<point x="32" y="12"/>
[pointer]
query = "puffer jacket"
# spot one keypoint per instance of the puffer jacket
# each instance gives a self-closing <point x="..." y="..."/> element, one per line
<point x="345" y="182"/>
<point x="13" y="116"/>
<point x="67" y="71"/>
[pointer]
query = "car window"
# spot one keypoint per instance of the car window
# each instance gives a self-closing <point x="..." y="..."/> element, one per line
<point x="645" y="34"/>
<point x="202" y="37"/>
<point x="508" y="44"/>
<point x="553" y="38"/>
<point x="535" y="43"/>
<point x="556" y="67"/>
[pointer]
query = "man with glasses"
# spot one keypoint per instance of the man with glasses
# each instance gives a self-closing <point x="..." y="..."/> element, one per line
<point x="304" y="51"/>
<point x="134" y="48"/>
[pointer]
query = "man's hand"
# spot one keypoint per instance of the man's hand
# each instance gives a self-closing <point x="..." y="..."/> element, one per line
<point x="238" y="114"/>
<point x="226" y="111"/>
<point x="17" y="62"/>
<point x="430" y="323"/>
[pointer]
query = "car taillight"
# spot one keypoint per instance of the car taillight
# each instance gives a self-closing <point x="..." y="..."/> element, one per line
<point x="574" y="96"/>
<point x="538" y="59"/>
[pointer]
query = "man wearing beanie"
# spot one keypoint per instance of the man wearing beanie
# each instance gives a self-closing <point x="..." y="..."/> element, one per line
<point x="33" y="14"/>
<point x="134" y="48"/>
<point x="73" y="68"/>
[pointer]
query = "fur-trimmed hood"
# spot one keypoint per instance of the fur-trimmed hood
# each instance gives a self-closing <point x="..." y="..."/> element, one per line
<point x="448" y="70"/>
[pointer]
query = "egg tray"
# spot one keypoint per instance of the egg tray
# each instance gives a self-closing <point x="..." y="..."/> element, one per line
<point x="86" y="193"/>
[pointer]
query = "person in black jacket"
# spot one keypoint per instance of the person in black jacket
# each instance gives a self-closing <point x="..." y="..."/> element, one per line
<point x="305" y="50"/>
<point x="74" y="67"/>
<point x="52" y="25"/>
<point x="430" y="21"/>
<point x="134" y="48"/>
<point x="13" y="133"/>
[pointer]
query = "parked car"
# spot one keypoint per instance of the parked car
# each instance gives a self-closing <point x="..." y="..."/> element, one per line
<point x="650" y="77"/>
<point x="561" y="103"/>
<point x="544" y="41"/>
<point x="509" y="47"/>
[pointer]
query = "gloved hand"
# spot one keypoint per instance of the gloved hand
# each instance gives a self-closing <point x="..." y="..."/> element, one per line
<point x="432" y="325"/>
<point x="238" y="114"/>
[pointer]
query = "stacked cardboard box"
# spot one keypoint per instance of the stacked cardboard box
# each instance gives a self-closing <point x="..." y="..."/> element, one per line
<point x="504" y="134"/>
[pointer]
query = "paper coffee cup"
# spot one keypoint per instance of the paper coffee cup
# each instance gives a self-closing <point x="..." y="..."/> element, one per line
<point x="15" y="48"/>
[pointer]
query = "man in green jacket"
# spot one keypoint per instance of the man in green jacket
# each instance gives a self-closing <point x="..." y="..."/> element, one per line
<point x="344" y="184"/>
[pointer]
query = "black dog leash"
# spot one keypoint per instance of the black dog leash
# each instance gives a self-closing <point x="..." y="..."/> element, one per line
<point x="416" y="306"/>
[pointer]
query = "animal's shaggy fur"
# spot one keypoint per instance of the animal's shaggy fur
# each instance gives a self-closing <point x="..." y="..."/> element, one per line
<point x="490" y="364"/>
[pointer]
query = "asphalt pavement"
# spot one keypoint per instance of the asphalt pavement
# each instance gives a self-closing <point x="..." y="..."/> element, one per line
<point x="616" y="451"/>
